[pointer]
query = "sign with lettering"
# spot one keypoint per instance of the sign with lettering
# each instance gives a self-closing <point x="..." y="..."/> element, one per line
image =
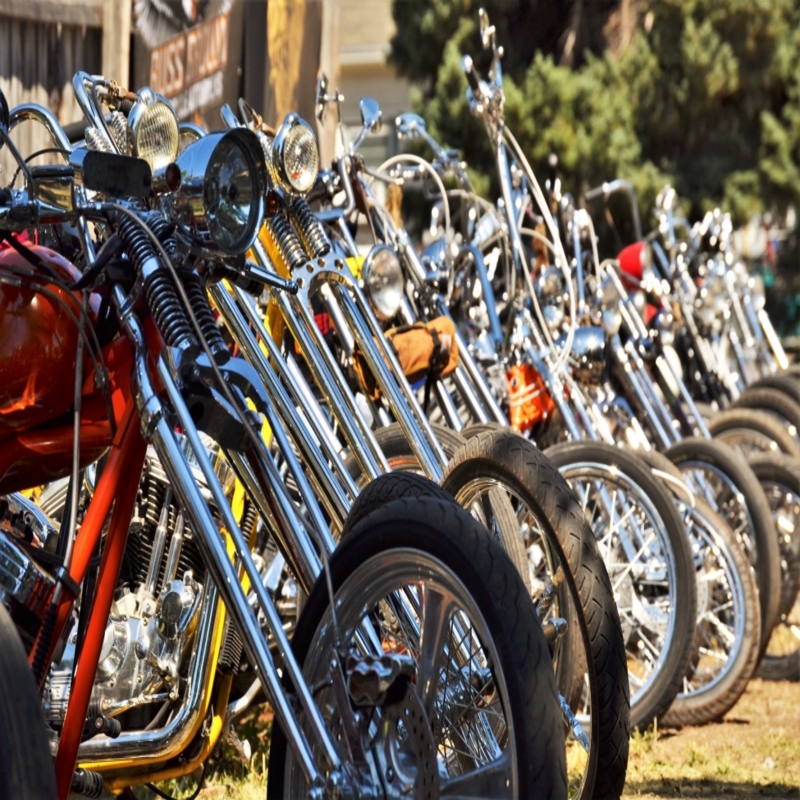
<point x="191" y="52"/>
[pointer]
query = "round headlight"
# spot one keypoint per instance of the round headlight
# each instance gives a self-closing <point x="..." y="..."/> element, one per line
<point x="220" y="199"/>
<point x="153" y="129"/>
<point x="296" y="155"/>
<point x="383" y="281"/>
<point x="230" y="195"/>
<point x="611" y="320"/>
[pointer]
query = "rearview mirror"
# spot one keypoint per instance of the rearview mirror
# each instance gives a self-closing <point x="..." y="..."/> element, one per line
<point x="321" y="97"/>
<point x="370" y="114"/>
<point x="487" y="30"/>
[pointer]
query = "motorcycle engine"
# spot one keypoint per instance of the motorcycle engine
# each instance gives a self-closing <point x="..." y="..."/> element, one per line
<point x="153" y="617"/>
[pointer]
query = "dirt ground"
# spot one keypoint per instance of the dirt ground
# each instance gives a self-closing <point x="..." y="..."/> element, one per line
<point x="754" y="752"/>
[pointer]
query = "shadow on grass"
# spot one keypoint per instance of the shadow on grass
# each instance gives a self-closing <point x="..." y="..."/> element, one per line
<point x="709" y="789"/>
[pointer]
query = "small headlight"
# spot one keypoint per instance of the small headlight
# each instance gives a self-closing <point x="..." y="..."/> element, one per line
<point x="383" y="281"/>
<point x="296" y="155"/>
<point x="220" y="200"/>
<point x="611" y="320"/>
<point x="153" y="129"/>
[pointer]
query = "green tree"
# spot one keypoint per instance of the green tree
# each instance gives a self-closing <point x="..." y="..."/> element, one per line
<point x="706" y="94"/>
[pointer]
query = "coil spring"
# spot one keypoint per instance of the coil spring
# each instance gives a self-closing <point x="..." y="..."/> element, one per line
<point x="162" y="299"/>
<point x="97" y="141"/>
<point x="118" y="128"/>
<point x="163" y="231"/>
<point x="198" y="299"/>
<point x="249" y="519"/>
<point x="311" y="232"/>
<point x="286" y="240"/>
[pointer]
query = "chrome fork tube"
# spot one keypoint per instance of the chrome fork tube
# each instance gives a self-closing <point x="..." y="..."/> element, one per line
<point x="383" y="363"/>
<point x="224" y="574"/>
<point x="331" y="381"/>
<point x="475" y="375"/>
<point x="227" y="579"/>
<point x="312" y="455"/>
<point x="772" y="338"/>
<point x="664" y="366"/>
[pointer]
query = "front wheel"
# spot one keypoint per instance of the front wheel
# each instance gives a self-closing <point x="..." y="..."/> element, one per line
<point x="26" y="768"/>
<point x="649" y="560"/>
<point x="426" y="581"/>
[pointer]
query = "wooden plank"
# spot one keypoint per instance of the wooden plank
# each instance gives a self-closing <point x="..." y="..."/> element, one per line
<point x="67" y="12"/>
<point x="117" y="40"/>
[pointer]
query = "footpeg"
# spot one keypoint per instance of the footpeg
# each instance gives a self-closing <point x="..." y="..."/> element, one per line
<point x="87" y="783"/>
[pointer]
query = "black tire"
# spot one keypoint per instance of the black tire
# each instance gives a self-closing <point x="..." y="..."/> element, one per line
<point x="548" y="495"/>
<point x="780" y="477"/>
<point x="26" y="767"/>
<point x="774" y="402"/>
<point x="787" y="384"/>
<point x="712" y="702"/>
<point x="737" y="426"/>
<point x="516" y="464"/>
<point x="697" y="453"/>
<point x="783" y="473"/>
<point x="666" y="684"/>
<point x="442" y="533"/>
<point x="387" y="488"/>
<point x="394" y="444"/>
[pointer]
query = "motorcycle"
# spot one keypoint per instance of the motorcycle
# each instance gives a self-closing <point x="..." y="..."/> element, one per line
<point x="417" y="608"/>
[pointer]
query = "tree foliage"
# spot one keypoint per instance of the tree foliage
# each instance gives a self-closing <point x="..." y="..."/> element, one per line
<point x="705" y="95"/>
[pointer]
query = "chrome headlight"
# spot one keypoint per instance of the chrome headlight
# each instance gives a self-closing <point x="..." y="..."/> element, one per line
<point x="295" y="155"/>
<point x="220" y="199"/>
<point x="153" y="129"/>
<point x="588" y="355"/>
<point x="383" y="281"/>
<point x="552" y="293"/>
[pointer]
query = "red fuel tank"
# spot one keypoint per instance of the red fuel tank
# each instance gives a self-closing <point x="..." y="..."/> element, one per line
<point x="38" y="344"/>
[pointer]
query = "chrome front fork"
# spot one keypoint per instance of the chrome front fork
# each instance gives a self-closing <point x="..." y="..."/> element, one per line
<point x="159" y="432"/>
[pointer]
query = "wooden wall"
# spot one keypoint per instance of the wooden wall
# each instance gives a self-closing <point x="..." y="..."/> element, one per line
<point x="43" y="43"/>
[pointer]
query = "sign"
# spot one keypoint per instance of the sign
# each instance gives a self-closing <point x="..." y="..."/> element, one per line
<point x="191" y="52"/>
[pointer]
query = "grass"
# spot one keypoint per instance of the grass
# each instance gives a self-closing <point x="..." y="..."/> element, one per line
<point x="754" y="752"/>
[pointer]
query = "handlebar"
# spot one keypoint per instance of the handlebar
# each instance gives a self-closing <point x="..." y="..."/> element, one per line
<point x="472" y="76"/>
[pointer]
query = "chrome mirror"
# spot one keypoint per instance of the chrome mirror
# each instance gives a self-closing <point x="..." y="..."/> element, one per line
<point x="370" y="114"/>
<point x="487" y="30"/>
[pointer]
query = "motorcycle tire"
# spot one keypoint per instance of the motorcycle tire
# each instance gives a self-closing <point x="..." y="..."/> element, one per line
<point x="698" y="705"/>
<point x="780" y="477"/>
<point x="408" y="542"/>
<point x="774" y="402"/>
<point x="26" y="766"/>
<point x="695" y="453"/>
<point x="787" y="384"/>
<point x="394" y="444"/>
<point x="749" y="431"/>
<point x="519" y="466"/>
<point x="539" y="485"/>
<point x="662" y="687"/>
